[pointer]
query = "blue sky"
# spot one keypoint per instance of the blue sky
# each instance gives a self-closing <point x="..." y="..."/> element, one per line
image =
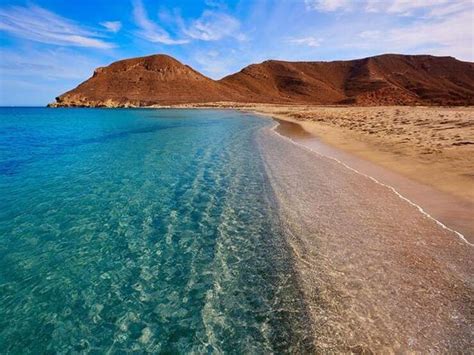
<point x="48" y="47"/>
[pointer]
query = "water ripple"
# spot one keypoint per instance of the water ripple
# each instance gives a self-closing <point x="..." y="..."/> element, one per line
<point x="130" y="231"/>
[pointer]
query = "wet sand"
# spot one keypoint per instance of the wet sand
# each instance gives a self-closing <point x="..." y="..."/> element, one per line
<point x="377" y="274"/>
<point x="454" y="212"/>
<point x="431" y="145"/>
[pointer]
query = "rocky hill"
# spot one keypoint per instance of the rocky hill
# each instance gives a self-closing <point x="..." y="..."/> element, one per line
<point x="142" y="82"/>
<point x="388" y="79"/>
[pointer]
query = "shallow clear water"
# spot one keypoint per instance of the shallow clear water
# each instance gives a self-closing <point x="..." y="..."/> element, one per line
<point x="145" y="230"/>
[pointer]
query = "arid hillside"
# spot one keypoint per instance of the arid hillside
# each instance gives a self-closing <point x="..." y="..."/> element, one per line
<point x="388" y="79"/>
<point x="142" y="82"/>
<point x="382" y="80"/>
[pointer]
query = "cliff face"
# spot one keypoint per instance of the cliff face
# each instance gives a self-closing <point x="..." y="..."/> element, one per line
<point x="382" y="80"/>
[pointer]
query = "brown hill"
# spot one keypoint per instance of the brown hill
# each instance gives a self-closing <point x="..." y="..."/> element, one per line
<point x="385" y="79"/>
<point x="381" y="80"/>
<point x="144" y="81"/>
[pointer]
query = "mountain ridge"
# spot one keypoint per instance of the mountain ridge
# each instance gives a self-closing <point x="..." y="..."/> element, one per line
<point x="387" y="79"/>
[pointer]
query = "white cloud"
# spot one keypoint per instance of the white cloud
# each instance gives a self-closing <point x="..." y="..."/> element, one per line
<point x="370" y="35"/>
<point x="50" y="64"/>
<point x="453" y="7"/>
<point x="112" y="26"/>
<point x="436" y="27"/>
<point x="408" y="6"/>
<point x="306" y="41"/>
<point x="217" y="62"/>
<point x="449" y="36"/>
<point x="40" y="25"/>
<point x="398" y="7"/>
<point x="327" y="5"/>
<point x="212" y="26"/>
<point x="35" y="77"/>
<point x="430" y="8"/>
<point x="150" y="30"/>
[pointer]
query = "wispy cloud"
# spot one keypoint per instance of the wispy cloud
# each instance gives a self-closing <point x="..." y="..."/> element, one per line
<point x="449" y="36"/>
<point x="370" y="35"/>
<point x="452" y="7"/>
<point x="40" y="25"/>
<point x="112" y="26"/>
<point x="212" y="62"/>
<point x="213" y="26"/>
<point x="327" y="5"/>
<point x="305" y="41"/>
<point x="35" y="76"/>
<point x="406" y="7"/>
<point x="50" y="64"/>
<point x="398" y="7"/>
<point x="149" y="30"/>
<point x="440" y="27"/>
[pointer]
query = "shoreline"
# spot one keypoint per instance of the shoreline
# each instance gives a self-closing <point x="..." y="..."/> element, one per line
<point x="452" y="207"/>
<point x="447" y="210"/>
<point x="440" y="187"/>
<point x="374" y="179"/>
<point x="377" y="275"/>
<point x="422" y="161"/>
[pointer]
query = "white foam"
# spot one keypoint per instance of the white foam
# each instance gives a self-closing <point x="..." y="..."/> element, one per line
<point x="420" y="209"/>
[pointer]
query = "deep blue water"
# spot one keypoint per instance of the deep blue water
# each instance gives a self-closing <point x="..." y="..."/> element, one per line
<point x="141" y="230"/>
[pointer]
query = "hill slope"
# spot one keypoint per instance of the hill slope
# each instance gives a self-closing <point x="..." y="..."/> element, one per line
<point x="144" y="81"/>
<point x="381" y="80"/>
<point x="385" y="79"/>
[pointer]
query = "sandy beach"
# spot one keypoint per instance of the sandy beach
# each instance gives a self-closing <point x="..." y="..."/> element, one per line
<point x="378" y="276"/>
<point x="432" y="145"/>
<point x="425" y="153"/>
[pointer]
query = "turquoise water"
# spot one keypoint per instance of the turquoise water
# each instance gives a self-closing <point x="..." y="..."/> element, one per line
<point x="141" y="230"/>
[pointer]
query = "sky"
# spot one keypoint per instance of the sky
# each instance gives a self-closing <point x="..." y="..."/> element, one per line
<point x="48" y="47"/>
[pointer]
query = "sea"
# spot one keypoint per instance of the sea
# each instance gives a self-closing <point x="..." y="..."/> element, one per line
<point x="144" y="231"/>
